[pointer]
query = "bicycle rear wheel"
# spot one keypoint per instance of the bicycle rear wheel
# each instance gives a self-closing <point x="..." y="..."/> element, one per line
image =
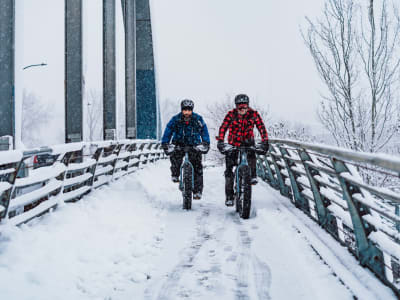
<point x="243" y="201"/>
<point x="187" y="187"/>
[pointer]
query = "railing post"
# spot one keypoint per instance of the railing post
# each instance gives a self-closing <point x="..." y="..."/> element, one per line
<point x="65" y="160"/>
<point x="8" y="195"/>
<point x="98" y="153"/>
<point x="282" y="186"/>
<point x="260" y="170"/>
<point x="296" y="189"/>
<point x="266" y="164"/>
<point x="368" y="254"/>
<point x="397" y="212"/>
<point x="118" y="150"/>
<point x="321" y="202"/>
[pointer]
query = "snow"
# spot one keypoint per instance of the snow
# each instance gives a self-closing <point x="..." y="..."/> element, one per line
<point x="7" y="171"/>
<point x="41" y="175"/>
<point x="64" y="148"/>
<point x="132" y="240"/>
<point x="7" y="157"/>
<point x="30" y="197"/>
<point x="77" y="179"/>
<point x="101" y="170"/>
<point x="80" y="166"/>
<point x="104" y="144"/>
<point x="4" y="186"/>
<point x="74" y="194"/>
<point x="106" y="159"/>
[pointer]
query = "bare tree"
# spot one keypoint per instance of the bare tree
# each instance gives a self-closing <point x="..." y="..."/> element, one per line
<point x="379" y="51"/>
<point x="94" y="115"/>
<point x="332" y="44"/>
<point x="169" y="108"/>
<point x="284" y="129"/>
<point x="35" y="116"/>
<point x="356" y="119"/>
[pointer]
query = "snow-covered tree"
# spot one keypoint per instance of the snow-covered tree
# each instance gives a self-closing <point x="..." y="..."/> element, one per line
<point x="35" y="116"/>
<point x="359" y="64"/>
<point x="169" y="108"/>
<point x="284" y="129"/>
<point x="93" y="115"/>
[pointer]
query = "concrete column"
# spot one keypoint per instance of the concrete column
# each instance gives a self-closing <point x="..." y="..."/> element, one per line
<point x="73" y="71"/>
<point x="109" y="63"/>
<point x="7" y="98"/>
<point x="146" y="100"/>
<point x="130" y="66"/>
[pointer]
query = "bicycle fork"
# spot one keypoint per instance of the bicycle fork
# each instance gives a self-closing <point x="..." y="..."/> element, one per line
<point x="186" y="162"/>
<point x="243" y="162"/>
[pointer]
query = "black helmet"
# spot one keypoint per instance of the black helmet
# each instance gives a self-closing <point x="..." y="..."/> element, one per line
<point x="187" y="104"/>
<point x="242" y="99"/>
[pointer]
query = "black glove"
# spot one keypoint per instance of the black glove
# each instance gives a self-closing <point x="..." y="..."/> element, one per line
<point x="206" y="147"/>
<point x="220" y="146"/>
<point x="165" y="148"/>
<point x="265" y="145"/>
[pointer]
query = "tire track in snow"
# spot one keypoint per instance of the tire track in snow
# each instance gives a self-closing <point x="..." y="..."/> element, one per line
<point x="247" y="259"/>
<point x="171" y="284"/>
<point x="262" y="276"/>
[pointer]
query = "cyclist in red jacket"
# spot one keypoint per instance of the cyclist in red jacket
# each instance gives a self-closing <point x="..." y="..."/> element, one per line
<point x="240" y="122"/>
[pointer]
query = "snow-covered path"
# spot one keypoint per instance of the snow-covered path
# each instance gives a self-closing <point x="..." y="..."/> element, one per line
<point x="132" y="240"/>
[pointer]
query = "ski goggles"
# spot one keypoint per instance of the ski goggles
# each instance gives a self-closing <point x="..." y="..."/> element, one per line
<point x="242" y="106"/>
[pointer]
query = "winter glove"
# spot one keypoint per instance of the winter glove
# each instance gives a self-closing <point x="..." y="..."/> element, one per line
<point x="220" y="146"/>
<point x="265" y="145"/>
<point x="203" y="147"/>
<point x="206" y="147"/>
<point x="165" y="148"/>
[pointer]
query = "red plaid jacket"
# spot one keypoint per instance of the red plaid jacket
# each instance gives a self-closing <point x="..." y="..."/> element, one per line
<point x="241" y="129"/>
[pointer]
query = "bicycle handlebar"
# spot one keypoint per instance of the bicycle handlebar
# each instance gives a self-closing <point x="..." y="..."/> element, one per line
<point x="229" y="148"/>
<point x="187" y="148"/>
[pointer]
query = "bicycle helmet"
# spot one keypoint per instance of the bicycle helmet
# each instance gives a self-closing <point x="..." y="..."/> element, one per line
<point x="242" y="99"/>
<point x="187" y="104"/>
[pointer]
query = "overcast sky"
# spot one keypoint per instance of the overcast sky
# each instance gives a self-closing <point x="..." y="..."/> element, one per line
<point x="206" y="49"/>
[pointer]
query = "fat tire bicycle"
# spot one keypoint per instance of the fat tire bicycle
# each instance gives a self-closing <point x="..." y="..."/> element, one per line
<point x="242" y="179"/>
<point x="186" y="177"/>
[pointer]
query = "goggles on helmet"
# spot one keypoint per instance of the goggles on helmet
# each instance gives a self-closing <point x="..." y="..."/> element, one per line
<point x="187" y="104"/>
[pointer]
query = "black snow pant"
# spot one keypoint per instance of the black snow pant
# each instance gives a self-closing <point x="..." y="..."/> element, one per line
<point x="196" y="159"/>
<point x="231" y="160"/>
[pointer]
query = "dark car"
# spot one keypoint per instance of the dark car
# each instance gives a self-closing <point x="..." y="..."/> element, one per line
<point x="44" y="160"/>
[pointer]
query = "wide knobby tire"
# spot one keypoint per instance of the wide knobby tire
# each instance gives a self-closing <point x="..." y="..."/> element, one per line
<point x="187" y="187"/>
<point x="243" y="201"/>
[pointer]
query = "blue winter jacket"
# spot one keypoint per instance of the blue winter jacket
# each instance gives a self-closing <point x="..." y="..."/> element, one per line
<point x="192" y="132"/>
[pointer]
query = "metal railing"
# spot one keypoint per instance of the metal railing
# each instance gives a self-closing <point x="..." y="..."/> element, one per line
<point x="34" y="182"/>
<point x="326" y="184"/>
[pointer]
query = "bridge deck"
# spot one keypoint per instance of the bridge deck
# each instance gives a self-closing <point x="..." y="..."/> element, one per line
<point x="133" y="241"/>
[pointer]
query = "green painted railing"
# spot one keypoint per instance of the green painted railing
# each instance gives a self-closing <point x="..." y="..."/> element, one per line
<point x="326" y="184"/>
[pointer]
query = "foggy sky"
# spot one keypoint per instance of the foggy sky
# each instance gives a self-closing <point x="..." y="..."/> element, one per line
<point x="206" y="49"/>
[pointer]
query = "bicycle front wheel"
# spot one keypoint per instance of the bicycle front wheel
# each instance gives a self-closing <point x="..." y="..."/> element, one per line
<point x="187" y="187"/>
<point x="243" y="201"/>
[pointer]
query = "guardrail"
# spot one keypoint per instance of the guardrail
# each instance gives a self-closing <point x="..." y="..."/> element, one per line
<point x="33" y="182"/>
<point x="325" y="183"/>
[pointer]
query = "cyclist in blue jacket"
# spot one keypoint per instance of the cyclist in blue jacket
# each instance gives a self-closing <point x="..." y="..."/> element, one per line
<point x="187" y="129"/>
